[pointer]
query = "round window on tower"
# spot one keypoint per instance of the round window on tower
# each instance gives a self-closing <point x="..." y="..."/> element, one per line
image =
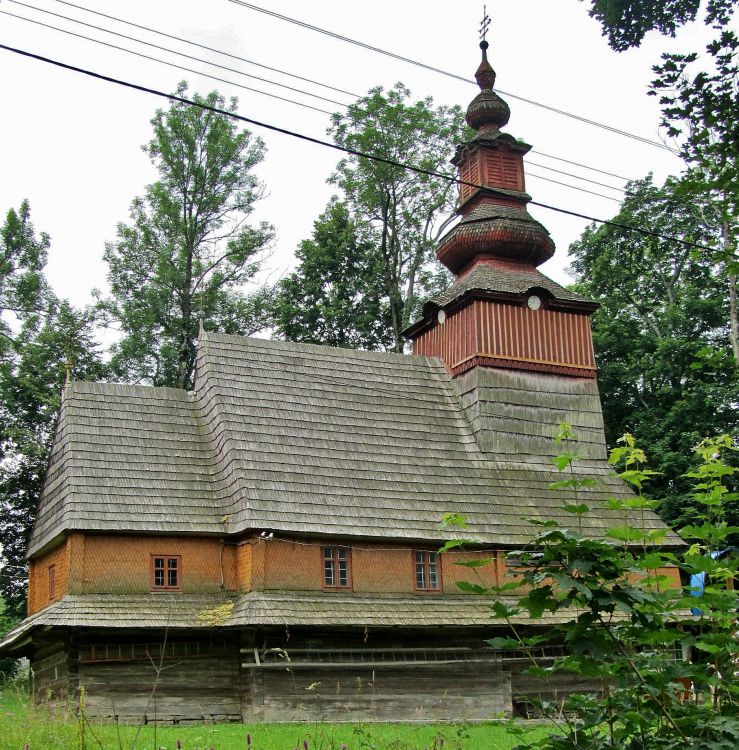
<point x="441" y="317"/>
<point x="534" y="302"/>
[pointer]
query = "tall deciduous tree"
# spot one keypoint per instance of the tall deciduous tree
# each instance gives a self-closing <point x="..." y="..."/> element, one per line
<point x="336" y="295"/>
<point x="23" y="288"/>
<point x="661" y="335"/>
<point x="40" y="335"/>
<point x="699" y="94"/>
<point x="187" y="252"/>
<point x="401" y="212"/>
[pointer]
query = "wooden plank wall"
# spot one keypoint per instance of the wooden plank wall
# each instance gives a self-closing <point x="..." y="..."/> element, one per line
<point x="514" y="333"/>
<point x="518" y="414"/>
<point x="50" y="673"/>
<point x="527" y="690"/>
<point x="199" y="682"/>
<point x="417" y="693"/>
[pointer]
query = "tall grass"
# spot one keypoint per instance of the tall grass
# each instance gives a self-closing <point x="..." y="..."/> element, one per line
<point x="56" y="726"/>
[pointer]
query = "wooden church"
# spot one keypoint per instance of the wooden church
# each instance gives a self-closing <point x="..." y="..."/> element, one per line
<point x="266" y="546"/>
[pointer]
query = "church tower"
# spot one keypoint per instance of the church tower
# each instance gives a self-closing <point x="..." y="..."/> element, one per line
<point x="517" y="344"/>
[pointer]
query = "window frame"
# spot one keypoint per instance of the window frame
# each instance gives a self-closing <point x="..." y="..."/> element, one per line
<point x="152" y="572"/>
<point x="336" y="585"/>
<point x="426" y="562"/>
<point x="52" y="581"/>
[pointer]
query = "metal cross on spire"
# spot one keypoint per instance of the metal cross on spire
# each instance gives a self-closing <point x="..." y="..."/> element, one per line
<point x="485" y="23"/>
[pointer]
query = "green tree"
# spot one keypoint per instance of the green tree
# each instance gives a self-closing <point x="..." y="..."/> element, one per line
<point x="400" y="212"/>
<point x="41" y="338"/>
<point x="8" y="666"/>
<point x="23" y="288"/>
<point x="626" y="22"/>
<point x="187" y="252"/>
<point x="621" y="612"/>
<point x="699" y="94"/>
<point x="336" y="295"/>
<point x="665" y="368"/>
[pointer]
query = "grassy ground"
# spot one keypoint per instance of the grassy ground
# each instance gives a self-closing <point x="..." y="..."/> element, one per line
<point x="55" y="727"/>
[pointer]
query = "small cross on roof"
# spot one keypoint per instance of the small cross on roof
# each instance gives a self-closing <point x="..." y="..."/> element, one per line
<point x="485" y="23"/>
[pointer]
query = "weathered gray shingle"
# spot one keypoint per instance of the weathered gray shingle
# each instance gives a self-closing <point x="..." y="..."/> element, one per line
<point x="298" y="438"/>
<point x="127" y="458"/>
<point x="509" y="280"/>
<point x="293" y="608"/>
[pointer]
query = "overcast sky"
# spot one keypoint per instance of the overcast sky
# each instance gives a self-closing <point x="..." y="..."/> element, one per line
<point x="71" y="145"/>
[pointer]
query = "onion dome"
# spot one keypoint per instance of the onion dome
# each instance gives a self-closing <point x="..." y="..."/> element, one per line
<point x="495" y="230"/>
<point x="487" y="111"/>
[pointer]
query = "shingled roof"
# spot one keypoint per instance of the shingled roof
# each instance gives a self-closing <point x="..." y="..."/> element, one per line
<point x="304" y="439"/>
<point x="293" y="608"/>
<point x="127" y="458"/>
<point x="508" y="280"/>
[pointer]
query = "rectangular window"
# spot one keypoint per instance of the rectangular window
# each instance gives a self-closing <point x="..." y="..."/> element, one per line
<point x="52" y="581"/>
<point x="166" y="572"/>
<point x="336" y="567"/>
<point x="427" y="571"/>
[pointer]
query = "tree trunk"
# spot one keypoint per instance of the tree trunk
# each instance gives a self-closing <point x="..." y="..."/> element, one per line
<point x="733" y="311"/>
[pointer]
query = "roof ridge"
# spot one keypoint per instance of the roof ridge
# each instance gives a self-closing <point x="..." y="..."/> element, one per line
<point x="301" y="346"/>
<point x="105" y="388"/>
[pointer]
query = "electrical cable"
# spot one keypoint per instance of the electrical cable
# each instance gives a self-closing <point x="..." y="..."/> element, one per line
<point x="569" y="174"/>
<point x="335" y="146"/>
<point x="258" y="91"/>
<point x="529" y="173"/>
<point x="410" y="61"/>
<point x="584" y="166"/>
<point x="267" y="67"/>
<point x="164" y="62"/>
<point x="205" y="47"/>
<point x="159" y="47"/>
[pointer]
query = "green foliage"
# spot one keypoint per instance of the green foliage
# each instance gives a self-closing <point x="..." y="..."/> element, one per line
<point x="401" y="214"/>
<point x="336" y="295"/>
<point x="665" y="368"/>
<point x="187" y="251"/>
<point x="39" y="335"/>
<point x="628" y="631"/>
<point x="8" y="667"/>
<point x="699" y="98"/>
<point x="23" y="288"/>
<point x="626" y="22"/>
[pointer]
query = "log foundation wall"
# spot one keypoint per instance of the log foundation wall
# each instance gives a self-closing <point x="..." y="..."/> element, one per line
<point x="242" y="677"/>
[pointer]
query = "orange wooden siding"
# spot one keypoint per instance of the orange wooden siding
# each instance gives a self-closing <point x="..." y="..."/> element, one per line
<point x="452" y="572"/>
<point x="491" y="169"/>
<point x="298" y="566"/>
<point x="244" y="564"/>
<point x="670" y="572"/>
<point x="100" y="563"/>
<point x="122" y="564"/>
<point x="512" y="333"/>
<point x="38" y="578"/>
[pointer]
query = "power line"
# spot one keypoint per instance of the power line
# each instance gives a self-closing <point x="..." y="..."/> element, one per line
<point x="258" y="91"/>
<point x="572" y="187"/>
<point x="164" y="62"/>
<point x="206" y="47"/>
<point x="584" y="166"/>
<point x="569" y="174"/>
<point x="334" y="146"/>
<point x="174" y="52"/>
<point x="287" y="73"/>
<point x="447" y="73"/>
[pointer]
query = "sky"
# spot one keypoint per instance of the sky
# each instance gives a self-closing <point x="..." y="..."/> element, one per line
<point x="71" y="145"/>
